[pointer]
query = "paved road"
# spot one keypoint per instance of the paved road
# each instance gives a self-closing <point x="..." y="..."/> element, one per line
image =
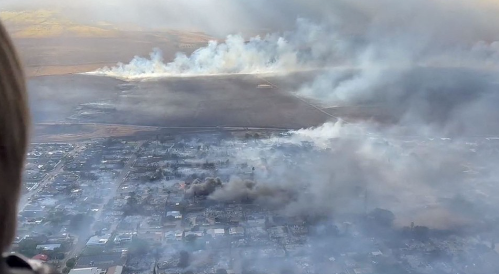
<point x="85" y="235"/>
<point x="157" y="128"/>
<point x="48" y="178"/>
<point x="261" y="77"/>
<point x="119" y="181"/>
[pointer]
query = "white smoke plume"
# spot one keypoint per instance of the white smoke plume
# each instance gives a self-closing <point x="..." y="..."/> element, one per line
<point x="328" y="171"/>
<point x="301" y="49"/>
<point x="433" y="73"/>
<point x="356" y="35"/>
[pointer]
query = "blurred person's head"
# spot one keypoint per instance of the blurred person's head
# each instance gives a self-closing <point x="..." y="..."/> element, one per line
<point x="14" y="121"/>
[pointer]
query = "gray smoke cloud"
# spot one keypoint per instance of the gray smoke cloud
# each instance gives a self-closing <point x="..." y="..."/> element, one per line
<point x="450" y="101"/>
<point x="342" y="169"/>
<point x="357" y="34"/>
<point x="203" y="188"/>
<point x="427" y="71"/>
<point x="430" y="66"/>
<point x="247" y="191"/>
<point x="308" y="46"/>
<point x="214" y="17"/>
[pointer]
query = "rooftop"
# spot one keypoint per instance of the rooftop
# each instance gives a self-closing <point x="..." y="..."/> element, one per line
<point x="99" y="240"/>
<point x="115" y="270"/>
<point x="88" y="270"/>
<point x="48" y="246"/>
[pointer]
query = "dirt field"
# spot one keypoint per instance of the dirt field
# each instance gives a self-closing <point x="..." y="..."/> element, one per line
<point x="79" y="132"/>
<point x="65" y="55"/>
<point x="50" y="44"/>
<point x="55" y="49"/>
<point x="192" y="102"/>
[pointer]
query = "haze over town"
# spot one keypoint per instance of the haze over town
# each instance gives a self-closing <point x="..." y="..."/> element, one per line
<point x="242" y="136"/>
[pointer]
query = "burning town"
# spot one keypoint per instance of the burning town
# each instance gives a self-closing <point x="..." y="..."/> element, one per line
<point x="257" y="137"/>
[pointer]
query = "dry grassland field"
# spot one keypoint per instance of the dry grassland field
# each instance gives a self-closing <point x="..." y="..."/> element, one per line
<point x="56" y="50"/>
<point x="260" y="136"/>
<point x="51" y="44"/>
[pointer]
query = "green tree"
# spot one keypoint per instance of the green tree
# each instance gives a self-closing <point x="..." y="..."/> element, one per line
<point x="27" y="247"/>
<point x="59" y="256"/>
<point x="70" y="263"/>
<point x="66" y="270"/>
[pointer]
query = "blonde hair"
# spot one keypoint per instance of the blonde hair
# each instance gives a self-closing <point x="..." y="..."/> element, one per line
<point x="14" y="124"/>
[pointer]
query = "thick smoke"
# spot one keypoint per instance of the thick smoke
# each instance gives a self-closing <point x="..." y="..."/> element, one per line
<point x="355" y="34"/>
<point x="242" y="191"/>
<point x="343" y="169"/>
<point x="429" y="72"/>
<point x="247" y="191"/>
<point x="203" y="189"/>
<point x="432" y="73"/>
<point x="447" y="101"/>
<point x="214" y="17"/>
<point x="303" y="48"/>
<point x="428" y="65"/>
<point x="423" y="35"/>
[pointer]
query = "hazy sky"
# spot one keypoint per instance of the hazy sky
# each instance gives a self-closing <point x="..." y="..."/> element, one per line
<point x="225" y="16"/>
<point x="372" y="35"/>
<point x="218" y="17"/>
